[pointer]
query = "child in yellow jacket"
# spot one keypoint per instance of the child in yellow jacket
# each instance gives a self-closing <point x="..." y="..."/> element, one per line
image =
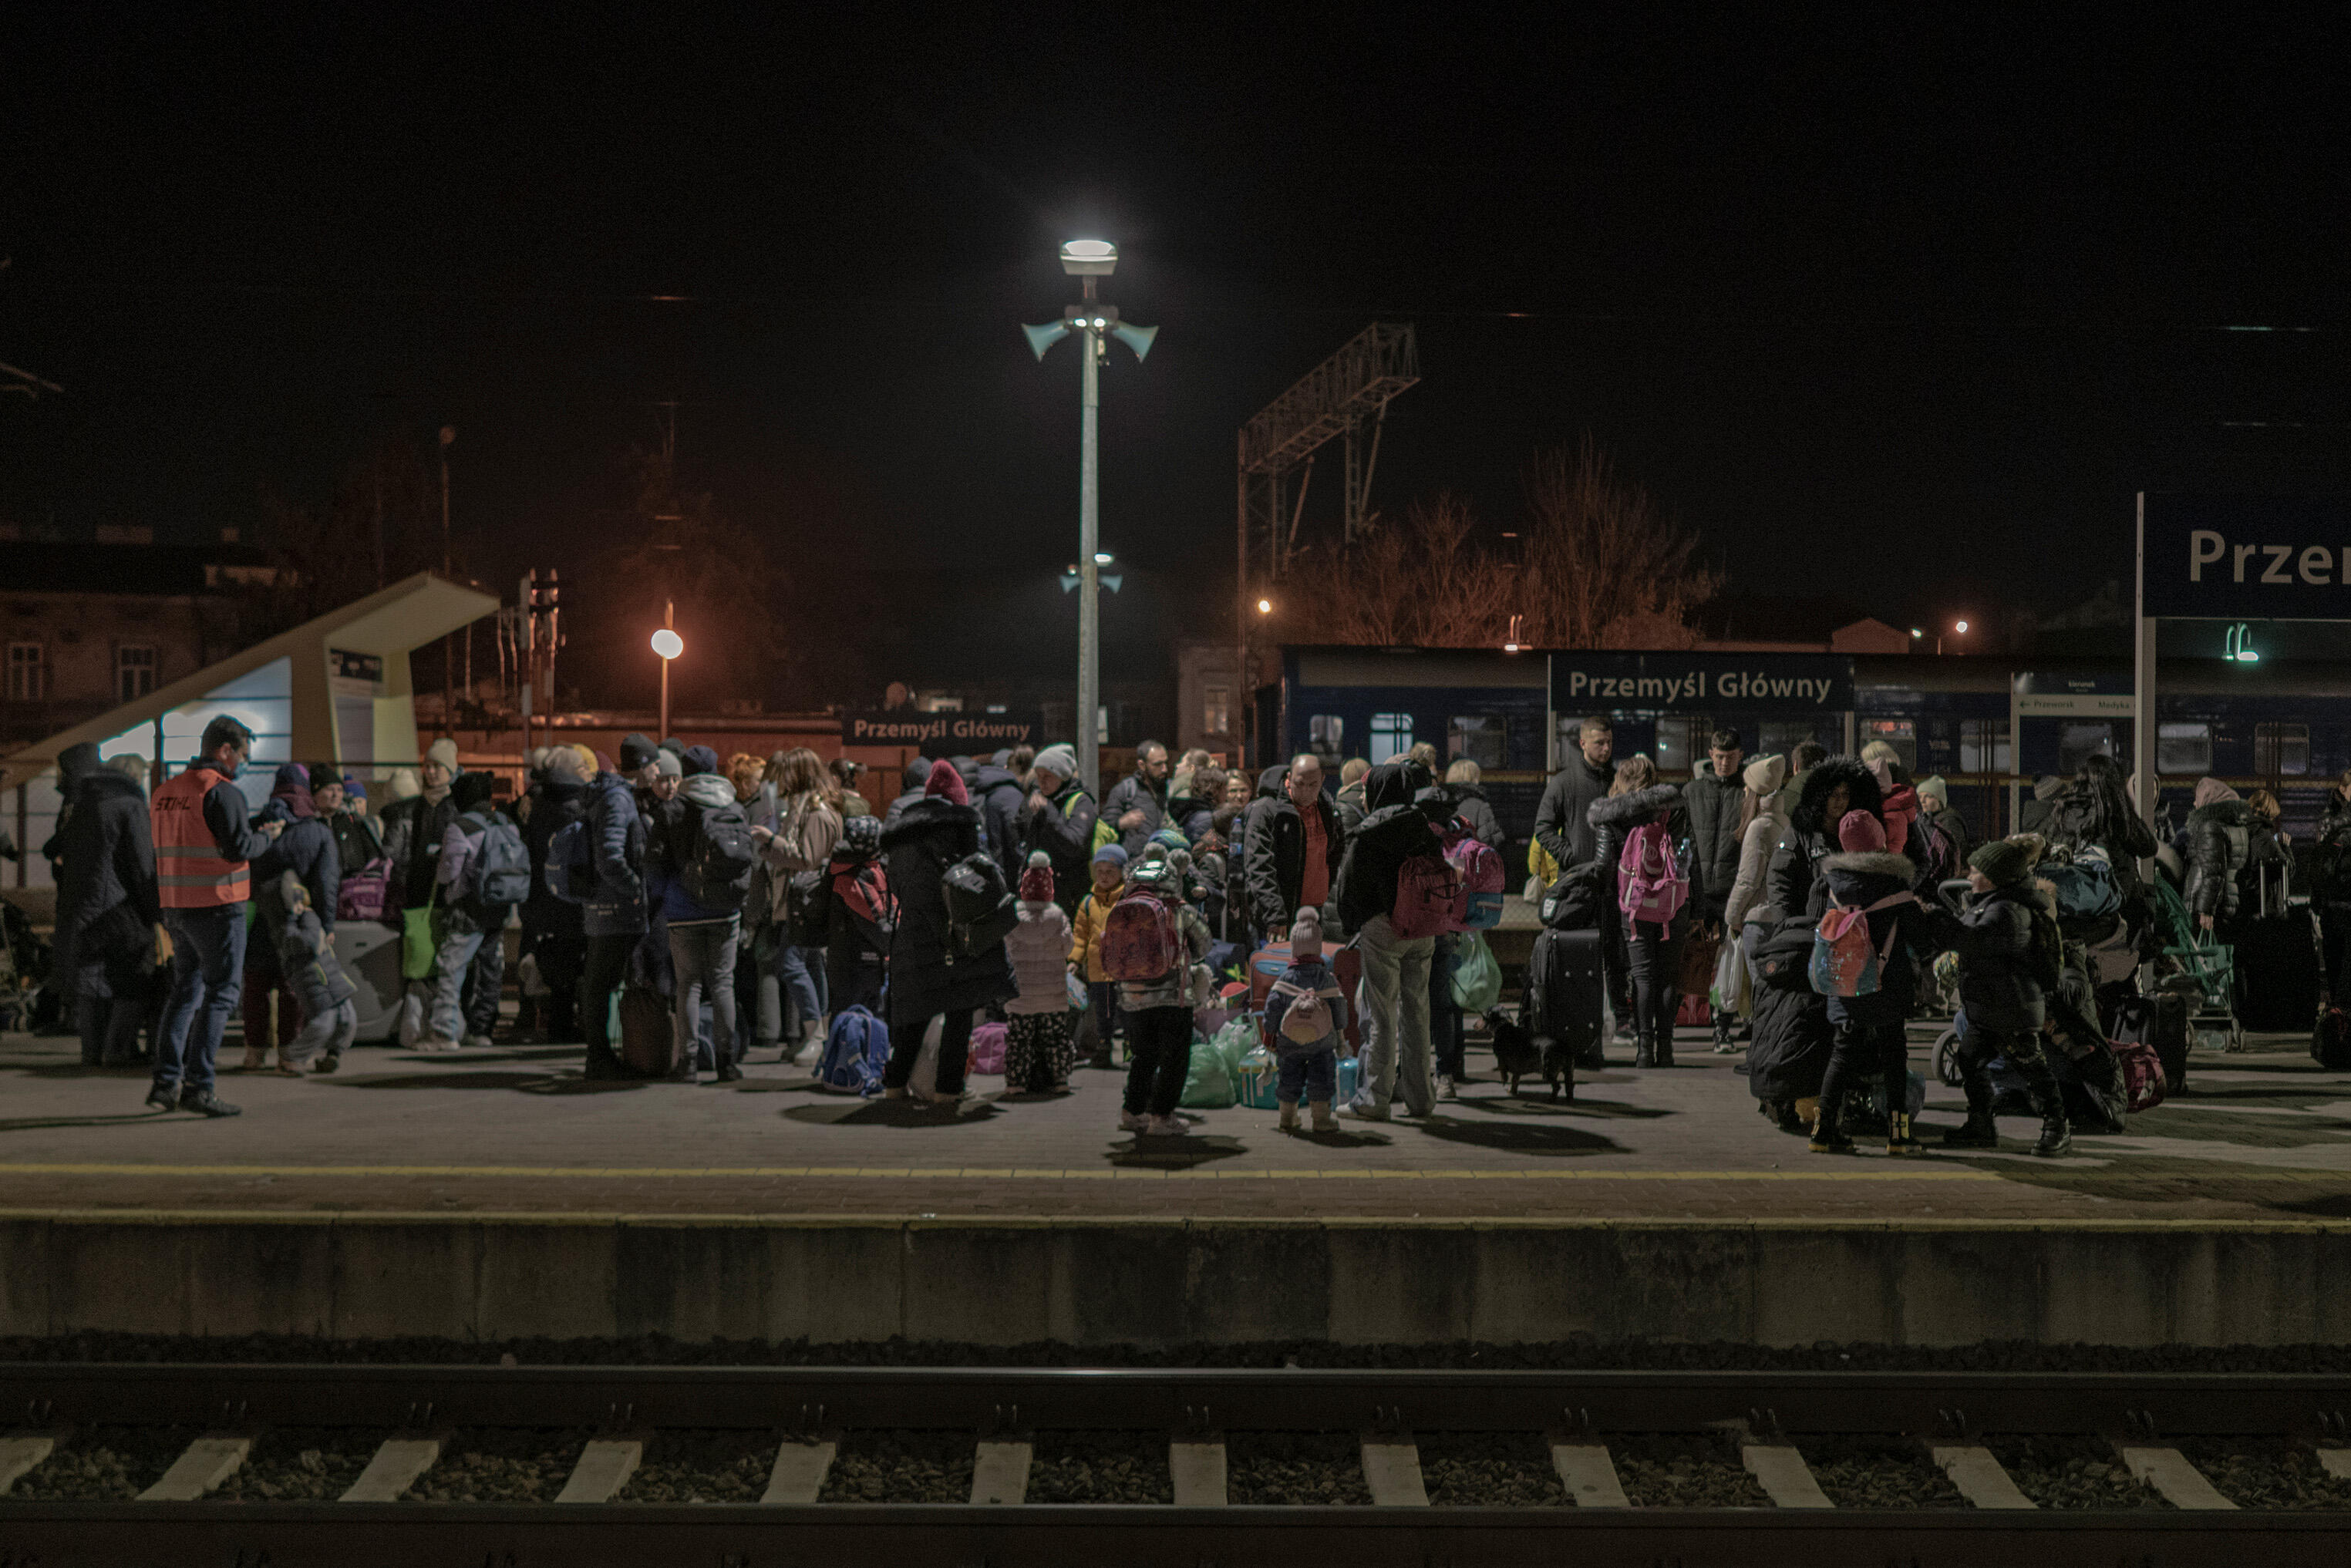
<point x="1085" y="947"/>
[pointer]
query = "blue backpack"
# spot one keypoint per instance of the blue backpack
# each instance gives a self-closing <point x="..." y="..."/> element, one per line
<point x="2086" y="888"/>
<point x="856" y="1049"/>
<point x="570" y="868"/>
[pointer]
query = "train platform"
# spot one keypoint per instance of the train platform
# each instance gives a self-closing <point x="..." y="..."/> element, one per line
<point x="406" y="1172"/>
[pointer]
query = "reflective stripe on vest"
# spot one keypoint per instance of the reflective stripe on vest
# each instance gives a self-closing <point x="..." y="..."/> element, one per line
<point x="189" y="870"/>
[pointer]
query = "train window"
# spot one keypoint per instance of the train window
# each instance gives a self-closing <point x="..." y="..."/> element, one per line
<point x="2183" y="749"/>
<point x="1326" y="736"/>
<point x="1391" y="736"/>
<point x="1983" y="745"/>
<point x="1780" y="737"/>
<point x="1479" y="738"/>
<point x="1681" y="742"/>
<point x="1901" y="734"/>
<point x="2077" y="743"/>
<point x="2281" y="750"/>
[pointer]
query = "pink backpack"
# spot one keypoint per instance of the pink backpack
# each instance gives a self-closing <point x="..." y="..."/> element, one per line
<point x="987" y="1043"/>
<point x="1427" y="891"/>
<point x="1139" y="940"/>
<point x="1307" y="1018"/>
<point x="1479" y="906"/>
<point x="1844" y="963"/>
<point x="1650" y="881"/>
<point x="365" y="891"/>
<point x="2142" y="1074"/>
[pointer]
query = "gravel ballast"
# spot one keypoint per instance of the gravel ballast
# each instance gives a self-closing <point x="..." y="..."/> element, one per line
<point x="1869" y="1471"/>
<point x="2071" y="1472"/>
<point x="1489" y="1469"/>
<point x="1294" y="1467"/>
<point x="104" y="1464"/>
<point x="507" y="1465"/>
<point x="2266" y="1473"/>
<point x="703" y="1467"/>
<point x="1101" y="1467"/>
<point x="1677" y="1469"/>
<point x="901" y="1466"/>
<point x="301" y="1464"/>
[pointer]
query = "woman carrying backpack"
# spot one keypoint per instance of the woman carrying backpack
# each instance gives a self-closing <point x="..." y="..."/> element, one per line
<point x="2096" y="810"/>
<point x="1869" y="976"/>
<point x="859" y="917"/>
<point x="1643" y="848"/>
<point x="808" y="825"/>
<point x="930" y="976"/>
<point x="484" y="871"/>
<point x="1372" y="894"/>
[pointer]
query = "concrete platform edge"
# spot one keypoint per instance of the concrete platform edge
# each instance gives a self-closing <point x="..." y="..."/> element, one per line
<point x="1170" y="1282"/>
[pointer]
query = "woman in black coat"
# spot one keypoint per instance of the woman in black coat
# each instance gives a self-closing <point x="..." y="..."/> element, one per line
<point x="1651" y="954"/>
<point x="1790" y="1052"/>
<point x="926" y="979"/>
<point x="108" y="911"/>
<point x="1793" y="882"/>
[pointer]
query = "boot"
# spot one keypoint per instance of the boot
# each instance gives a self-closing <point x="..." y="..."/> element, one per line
<point x="1722" y="1046"/>
<point x="1899" y="1138"/>
<point x="1324" y="1121"/>
<point x="1643" y="1056"/>
<point x="1826" y="1138"/>
<point x="1978" y="1131"/>
<point x="1662" y="1054"/>
<point x="2056" y="1136"/>
<point x="1289" y="1115"/>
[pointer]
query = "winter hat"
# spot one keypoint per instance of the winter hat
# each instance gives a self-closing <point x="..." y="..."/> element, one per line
<point x="444" y="752"/>
<point x="405" y="786"/>
<point x="1037" y="882"/>
<point x="666" y="764"/>
<point x="1933" y="786"/>
<point x="1061" y="761"/>
<point x="2006" y="861"/>
<point x="536" y="760"/>
<point x="2048" y="786"/>
<point x="636" y="750"/>
<point x="699" y="760"/>
<point x="352" y="789"/>
<point x="292" y="785"/>
<point x="472" y="790"/>
<point x="1306" y="936"/>
<point x="76" y="763"/>
<point x="603" y="763"/>
<point x="1859" y="833"/>
<point x="323" y="774"/>
<point x="673" y="746"/>
<point x="945" y="783"/>
<point x="563" y="763"/>
<point x="2212" y="791"/>
<point x="1114" y="854"/>
<point x="1765" y="774"/>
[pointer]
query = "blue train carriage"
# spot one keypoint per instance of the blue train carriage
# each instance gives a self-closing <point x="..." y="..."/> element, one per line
<point x="1476" y="703"/>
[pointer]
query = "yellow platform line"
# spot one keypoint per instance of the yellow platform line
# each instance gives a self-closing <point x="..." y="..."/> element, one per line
<point x="1891" y="1171"/>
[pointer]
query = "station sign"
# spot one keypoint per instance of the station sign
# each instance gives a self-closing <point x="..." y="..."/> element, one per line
<point x="1700" y="684"/>
<point x="943" y="734"/>
<point x="2041" y="696"/>
<point x="2230" y="557"/>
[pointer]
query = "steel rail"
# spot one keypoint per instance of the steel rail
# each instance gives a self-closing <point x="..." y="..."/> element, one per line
<point x="985" y="1398"/>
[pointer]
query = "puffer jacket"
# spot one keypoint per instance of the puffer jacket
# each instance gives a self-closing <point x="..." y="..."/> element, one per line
<point x="1477" y="813"/>
<point x="1395" y="829"/>
<point x="998" y="797"/>
<point x="1712" y="804"/>
<point x="1613" y="818"/>
<point x="2220" y="845"/>
<point x="1857" y="879"/>
<point x="108" y="903"/>
<point x="1792" y="881"/>
<point x="931" y="835"/>
<point x="1998" y="988"/>
<point x="615" y="905"/>
<point x="1563" y="820"/>
<point x="1039" y="949"/>
<point x="306" y="847"/>
<point x="1747" y="899"/>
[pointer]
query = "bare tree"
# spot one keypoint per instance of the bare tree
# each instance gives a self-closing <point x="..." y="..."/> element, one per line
<point x="1601" y="567"/>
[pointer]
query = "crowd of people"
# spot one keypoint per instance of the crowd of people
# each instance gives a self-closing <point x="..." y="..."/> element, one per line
<point x="679" y="911"/>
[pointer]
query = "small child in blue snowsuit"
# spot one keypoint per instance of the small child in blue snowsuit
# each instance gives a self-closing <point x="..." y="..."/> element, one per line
<point x="1305" y="1013"/>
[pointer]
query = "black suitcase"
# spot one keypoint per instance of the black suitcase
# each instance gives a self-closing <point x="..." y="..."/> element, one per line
<point x="1563" y="1004"/>
<point x="2277" y="971"/>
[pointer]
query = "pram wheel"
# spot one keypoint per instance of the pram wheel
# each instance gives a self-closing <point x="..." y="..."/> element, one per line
<point x="1946" y="1057"/>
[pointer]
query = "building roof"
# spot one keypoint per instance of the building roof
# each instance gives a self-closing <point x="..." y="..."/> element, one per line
<point x="152" y="570"/>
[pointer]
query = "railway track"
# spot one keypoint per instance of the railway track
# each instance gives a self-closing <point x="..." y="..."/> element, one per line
<point x="284" y="1465"/>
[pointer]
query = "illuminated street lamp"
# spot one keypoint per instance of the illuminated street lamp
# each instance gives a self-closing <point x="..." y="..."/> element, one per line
<point x="669" y="645"/>
<point x="1093" y="324"/>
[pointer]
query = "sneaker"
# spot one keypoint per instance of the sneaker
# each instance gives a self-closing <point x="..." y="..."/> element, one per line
<point x="1445" y="1089"/>
<point x="730" y="1073"/>
<point x="435" y="1046"/>
<point x="163" y="1097"/>
<point x="1830" y="1141"/>
<point x="475" y="1042"/>
<point x="326" y="1064"/>
<point x="1724" y="1046"/>
<point x="1129" y="1122"/>
<point x="1167" y="1127"/>
<point x="1366" y="1112"/>
<point x="209" y="1105"/>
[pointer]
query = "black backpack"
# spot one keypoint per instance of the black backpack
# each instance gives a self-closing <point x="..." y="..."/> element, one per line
<point x="721" y="856"/>
<point x="981" y="911"/>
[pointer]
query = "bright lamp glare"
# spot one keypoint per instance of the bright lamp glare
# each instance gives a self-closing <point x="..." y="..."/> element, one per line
<point x="668" y="644"/>
<point x="1962" y="626"/>
<point x="1102" y="558"/>
<point x="1099" y="322"/>
<point x="2247" y="656"/>
<point x="1916" y="632"/>
<point x="1265" y="607"/>
<point x="1090" y="249"/>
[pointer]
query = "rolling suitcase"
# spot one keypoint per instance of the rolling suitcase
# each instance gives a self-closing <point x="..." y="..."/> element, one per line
<point x="2277" y="971"/>
<point x="648" y="1042"/>
<point x="1564" y="1009"/>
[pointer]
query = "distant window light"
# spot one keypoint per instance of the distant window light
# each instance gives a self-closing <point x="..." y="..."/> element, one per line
<point x="1391" y="736"/>
<point x="1901" y="734"/>
<point x="1326" y="736"/>
<point x="1983" y="745"/>
<point x="1481" y="737"/>
<point x="2281" y="750"/>
<point x="1216" y="710"/>
<point x="28" y="672"/>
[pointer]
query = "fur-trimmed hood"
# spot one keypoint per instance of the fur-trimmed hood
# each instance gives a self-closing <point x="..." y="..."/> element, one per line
<point x="1625" y="810"/>
<point x="1862" y="792"/>
<point x="1873" y="862"/>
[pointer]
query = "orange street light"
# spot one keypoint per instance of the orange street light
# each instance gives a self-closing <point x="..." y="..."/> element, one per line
<point x="669" y="645"/>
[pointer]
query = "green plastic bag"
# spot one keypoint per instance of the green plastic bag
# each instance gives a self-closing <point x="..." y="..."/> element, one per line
<point x="1209" y="1080"/>
<point x="1476" y="978"/>
<point x="416" y="941"/>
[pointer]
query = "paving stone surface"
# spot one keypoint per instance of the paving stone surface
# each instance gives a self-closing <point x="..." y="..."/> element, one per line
<point x="2262" y="1135"/>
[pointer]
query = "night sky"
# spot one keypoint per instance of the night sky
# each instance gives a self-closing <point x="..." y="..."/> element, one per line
<point x="1902" y="310"/>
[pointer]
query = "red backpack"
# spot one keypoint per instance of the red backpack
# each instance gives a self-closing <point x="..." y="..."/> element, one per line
<point x="1139" y="940"/>
<point x="864" y="889"/>
<point x="1427" y="893"/>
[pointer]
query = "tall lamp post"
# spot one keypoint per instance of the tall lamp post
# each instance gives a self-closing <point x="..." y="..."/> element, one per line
<point x="669" y="645"/>
<point x="1093" y="325"/>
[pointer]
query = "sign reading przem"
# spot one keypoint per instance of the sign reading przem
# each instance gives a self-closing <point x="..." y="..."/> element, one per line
<point x="2241" y="557"/>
